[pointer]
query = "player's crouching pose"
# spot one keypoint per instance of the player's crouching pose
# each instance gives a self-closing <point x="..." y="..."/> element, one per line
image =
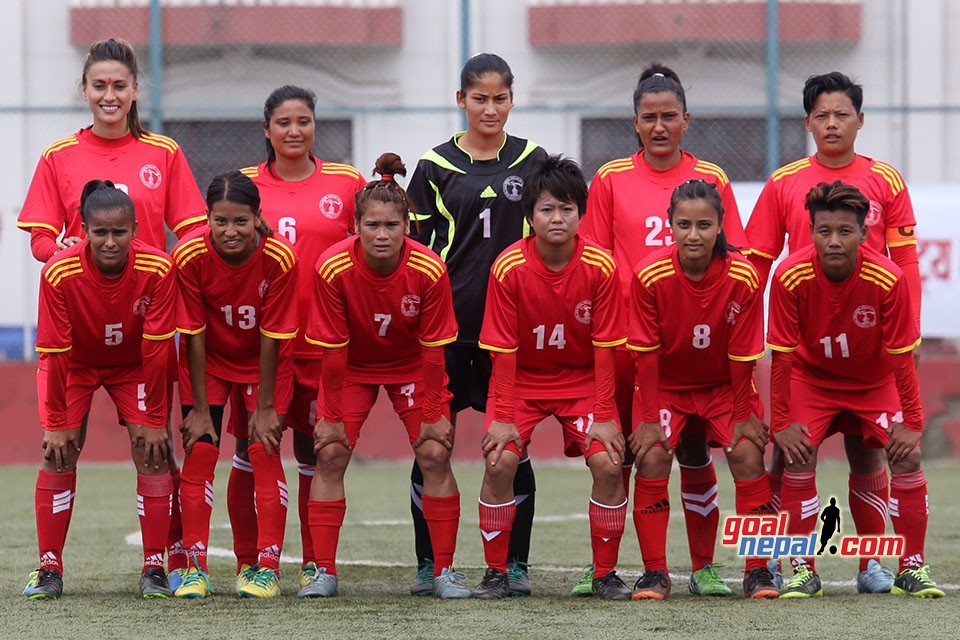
<point x="383" y="312"/>
<point x="552" y="322"/>
<point x="106" y="316"/>
<point x="842" y="329"/>
<point x="238" y="314"/>
<point x="696" y="302"/>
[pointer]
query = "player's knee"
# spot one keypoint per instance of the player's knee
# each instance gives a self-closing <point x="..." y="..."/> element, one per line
<point x="909" y="464"/>
<point x="746" y="461"/>
<point x="433" y="457"/>
<point x="604" y="470"/>
<point x="502" y="473"/>
<point x="656" y="463"/>
<point x="332" y="460"/>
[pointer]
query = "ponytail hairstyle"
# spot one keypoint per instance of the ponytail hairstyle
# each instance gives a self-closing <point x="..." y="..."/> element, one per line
<point x="275" y="99"/>
<point x="481" y="64"/>
<point x="838" y="196"/>
<point x="707" y="191"/>
<point x="237" y="188"/>
<point x="103" y="195"/>
<point x="560" y="177"/>
<point x="116" y="50"/>
<point x="386" y="189"/>
<point x="657" y="78"/>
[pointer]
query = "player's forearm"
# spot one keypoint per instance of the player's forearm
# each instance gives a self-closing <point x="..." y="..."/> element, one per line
<point x="269" y="356"/>
<point x="43" y="244"/>
<point x="504" y="379"/>
<point x="647" y="383"/>
<point x="332" y="372"/>
<point x="605" y="359"/>
<point x="197" y="365"/>
<point x="907" y="259"/>
<point x="154" y="357"/>
<point x="908" y="387"/>
<point x="56" y="400"/>
<point x="741" y="377"/>
<point x="762" y="264"/>
<point x="780" y="373"/>
<point x="433" y="371"/>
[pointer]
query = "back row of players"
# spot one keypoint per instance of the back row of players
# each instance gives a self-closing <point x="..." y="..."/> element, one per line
<point x="310" y="351"/>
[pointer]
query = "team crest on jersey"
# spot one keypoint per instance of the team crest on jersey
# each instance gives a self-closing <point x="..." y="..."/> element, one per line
<point x="331" y="206"/>
<point x="582" y="311"/>
<point x="410" y="305"/>
<point x="513" y="188"/>
<point x="733" y="312"/>
<point x="150" y="176"/>
<point x="262" y="289"/>
<point x="865" y="316"/>
<point x="874" y="214"/>
<point x="141" y="305"/>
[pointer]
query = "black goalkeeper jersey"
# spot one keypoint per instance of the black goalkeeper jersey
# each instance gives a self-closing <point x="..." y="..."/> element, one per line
<point x="468" y="212"/>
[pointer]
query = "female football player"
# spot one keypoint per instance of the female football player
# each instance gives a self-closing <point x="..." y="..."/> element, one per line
<point x="466" y="193"/>
<point x="238" y="314"/>
<point x="382" y="312"/>
<point x="106" y="319"/>
<point x="627" y="214"/>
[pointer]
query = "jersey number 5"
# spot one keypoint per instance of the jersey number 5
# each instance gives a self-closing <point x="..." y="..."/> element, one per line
<point x="113" y="334"/>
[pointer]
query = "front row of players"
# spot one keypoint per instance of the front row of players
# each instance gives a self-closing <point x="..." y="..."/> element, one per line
<point x="841" y="329"/>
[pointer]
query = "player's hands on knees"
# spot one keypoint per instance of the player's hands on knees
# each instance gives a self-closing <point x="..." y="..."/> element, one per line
<point x="197" y="424"/>
<point x="326" y="432"/>
<point x="497" y="437"/>
<point x="794" y="441"/>
<point x="156" y="445"/>
<point x="902" y="441"/>
<point x="754" y="430"/>
<point x="441" y="431"/>
<point x="265" y="427"/>
<point x="645" y="436"/>
<point x="58" y="445"/>
<point x="611" y="436"/>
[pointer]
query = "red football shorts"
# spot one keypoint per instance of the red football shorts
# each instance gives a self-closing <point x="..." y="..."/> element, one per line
<point x="575" y="416"/>
<point x="407" y="399"/>
<point x="710" y="408"/>
<point x="302" y="415"/>
<point x="124" y="385"/>
<point x="816" y="407"/>
<point x="218" y="391"/>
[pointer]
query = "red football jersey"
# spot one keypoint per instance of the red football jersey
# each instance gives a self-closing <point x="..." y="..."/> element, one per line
<point x="696" y="327"/>
<point x="780" y="208"/>
<point x="841" y="333"/>
<point x="152" y="170"/>
<point x="627" y="208"/>
<point x="234" y="305"/>
<point x="312" y="214"/>
<point x="553" y="319"/>
<point x="101" y="320"/>
<point x="383" y="318"/>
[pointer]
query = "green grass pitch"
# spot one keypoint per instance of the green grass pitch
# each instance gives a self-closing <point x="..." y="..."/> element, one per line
<point x="376" y="551"/>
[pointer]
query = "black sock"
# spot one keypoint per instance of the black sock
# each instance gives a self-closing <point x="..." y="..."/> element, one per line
<point x="421" y="533"/>
<point x="524" y="488"/>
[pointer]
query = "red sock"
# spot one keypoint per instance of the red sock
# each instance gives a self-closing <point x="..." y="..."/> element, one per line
<point x="701" y="514"/>
<point x="868" y="496"/>
<point x="443" y="519"/>
<point x="196" y="499"/>
<point x="271" y="500"/>
<point x="154" y="502"/>
<point x="909" y="510"/>
<point x="242" y="510"/>
<point x="799" y="500"/>
<point x="326" y="519"/>
<point x="753" y="499"/>
<point x="176" y="554"/>
<point x="305" y="474"/>
<point x="651" y="515"/>
<point x="496" y="522"/>
<point x="53" y="499"/>
<point x="775" y="481"/>
<point x="606" y="530"/>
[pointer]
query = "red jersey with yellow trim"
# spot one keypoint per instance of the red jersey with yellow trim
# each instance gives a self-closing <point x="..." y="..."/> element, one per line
<point x="312" y="214"/>
<point x="696" y="327"/>
<point x="841" y="333"/>
<point x="100" y="321"/>
<point x="553" y="319"/>
<point x="627" y="208"/>
<point x="382" y="319"/>
<point x="152" y="170"/>
<point x="780" y="208"/>
<point x="233" y="305"/>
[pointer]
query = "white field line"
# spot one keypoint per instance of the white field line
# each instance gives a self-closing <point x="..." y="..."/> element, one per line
<point x="133" y="539"/>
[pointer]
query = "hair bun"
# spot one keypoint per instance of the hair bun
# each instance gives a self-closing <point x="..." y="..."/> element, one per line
<point x="388" y="165"/>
